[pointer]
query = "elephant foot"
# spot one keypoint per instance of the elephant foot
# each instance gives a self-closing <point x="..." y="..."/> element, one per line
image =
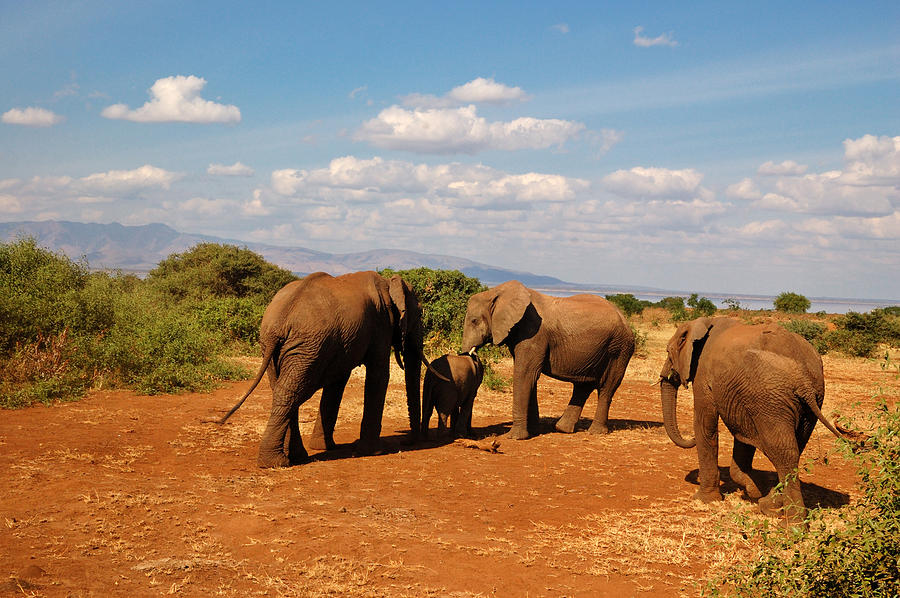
<point x="790" y="513"/>
<point x="517" y="433"/>
<point x="273" y="460"/>
<point x="708" y="496"/>
<point x="598" y="428"/>
<point x="367" y="449"/>
<point x="565" y="426"/>
<point x="745" y="481"/>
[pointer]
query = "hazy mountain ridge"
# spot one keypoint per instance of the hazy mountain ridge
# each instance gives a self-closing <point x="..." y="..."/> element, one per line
<point x="141" y="248"/>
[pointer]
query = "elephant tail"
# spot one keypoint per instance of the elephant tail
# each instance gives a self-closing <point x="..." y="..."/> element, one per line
<point x="267" y="357"/>
<point x="810" y="399"/>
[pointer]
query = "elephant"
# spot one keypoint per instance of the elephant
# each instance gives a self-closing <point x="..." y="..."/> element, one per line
<point x="452" y="399"/>
<point x="765" y="383"/>
<point x="583" y="339"/>
<point x="313" y="334"/>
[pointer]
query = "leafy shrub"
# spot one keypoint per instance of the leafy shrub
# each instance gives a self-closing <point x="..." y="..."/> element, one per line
<point x="701" y="305"/>
<point x="859" y="334"/>
<point x="213" y="270"/>
<point x="675" y="307"/>
<point x="792" y="303"/>
<point x="812" y="331"/>
<point x="732" y="304"/>
<point x="851" y="552"/>
<point x="238" y="318"/>
<point x="444" y="295"/>
<point x="628" y="303"/>
<point x="640" y="341"/>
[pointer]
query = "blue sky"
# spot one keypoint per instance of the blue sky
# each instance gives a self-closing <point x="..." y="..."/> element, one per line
<point x="721" y="147"/>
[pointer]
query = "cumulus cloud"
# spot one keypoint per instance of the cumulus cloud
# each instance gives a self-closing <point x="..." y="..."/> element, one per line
<point x="643" y="41"/>
<point x="236" y="169"/>
<point x="786" y="168"/>
<point x="461" y="130"/>
<point x="354" y="179"/>
<point x="872" y="160"/>
<point x="655" y="182"/>
<point x="126" y="181"/>
<point x="176" y="99"/>
<point x="31" y="117"/>
<point x="477" y="91"/>
<point x="744" y="189"/>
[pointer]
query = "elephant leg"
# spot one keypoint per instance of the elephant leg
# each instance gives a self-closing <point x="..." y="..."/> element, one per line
<point x="785" y="456"/>
<point x="276" y="440"/>
<point x="742" y="466"/>
<point x="609" y="384"/>
<point x="706" y="431"/>
<point x="329" y="405"/>
<point x="293" y="444"/>
<point x="464" y="423"/>
<point x="580" y="392"/>
<point x="525" y="408"/>
<point x="377" y="374"/>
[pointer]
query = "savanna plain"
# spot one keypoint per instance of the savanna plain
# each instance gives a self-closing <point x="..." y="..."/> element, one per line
<point x="123" y="494"/>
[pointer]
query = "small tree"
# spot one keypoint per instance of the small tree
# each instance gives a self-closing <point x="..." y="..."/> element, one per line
<point x="701" y="305"/>
<point x="792" y="303"/>
<point x="628" y="303"/>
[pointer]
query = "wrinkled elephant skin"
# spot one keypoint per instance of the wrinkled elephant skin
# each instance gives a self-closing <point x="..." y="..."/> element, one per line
<point x="452" y="399"/>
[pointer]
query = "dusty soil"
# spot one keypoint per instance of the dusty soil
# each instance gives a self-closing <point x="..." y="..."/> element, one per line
<point x="120" y="494"/>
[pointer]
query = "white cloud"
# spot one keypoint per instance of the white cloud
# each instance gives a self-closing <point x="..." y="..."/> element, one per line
<point x="461" y="130"/>
<point x="744" y="189"/>
<point x="176" y="99"/>
<point x="872" y="160"/>
<point x="604" y="140"/>
<point x="786" y="168"/>
<point x="560" y="27"/>
<point x="236" y="169"/>
<point x="127" y="181"/>
<point x="655" y="182"/>
<point x="10" y="204"/>
<point x="31" y="117"/>
<point x="642" y="41"/>
<point x="255" y="206"/>
<point x="203" y="206"/>
<point x="355" y="179"/>
<point x="476" y="91"/>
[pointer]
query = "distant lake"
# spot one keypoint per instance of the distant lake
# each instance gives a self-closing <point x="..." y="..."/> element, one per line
<point x="752" y="302"/>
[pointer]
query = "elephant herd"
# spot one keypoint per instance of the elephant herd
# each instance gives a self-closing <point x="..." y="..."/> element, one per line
<point x="765" y="383"/>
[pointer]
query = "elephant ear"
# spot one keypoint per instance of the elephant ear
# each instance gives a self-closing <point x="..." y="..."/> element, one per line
<point x="511" y="299"/>
<point x="400" y="292"/>
<point x="691" y="335"/>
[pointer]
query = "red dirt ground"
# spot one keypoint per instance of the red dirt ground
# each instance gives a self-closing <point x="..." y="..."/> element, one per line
<point x="120" y="494"/>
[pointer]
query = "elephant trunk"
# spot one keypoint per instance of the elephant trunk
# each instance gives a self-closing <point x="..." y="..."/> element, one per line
<point x="668" y="392"/>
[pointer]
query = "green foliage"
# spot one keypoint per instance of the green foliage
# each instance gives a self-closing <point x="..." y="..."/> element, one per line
<point x="444" y="295"/>
<point x="675" y="306"/>
<point x="640" y="341"/>
<point x="859" y="334"/>
<point x="732" y="304"/>
<point x="792" y="303"/>
<point x="701" y="306"/>
<point x="628" y="303"/>
<point x="853" y="552"/>
<point x="213" y="270"/>
<point x="812" y="331"/>
<point x="64" y="329"/>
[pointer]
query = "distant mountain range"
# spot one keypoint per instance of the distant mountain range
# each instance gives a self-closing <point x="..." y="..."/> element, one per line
<point x="140" y="248"/>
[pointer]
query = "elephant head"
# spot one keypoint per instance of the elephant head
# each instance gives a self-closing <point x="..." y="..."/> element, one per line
<point x="683" y="351"/>
<point x="491" y="315"/>
<point x="407" y="344"/>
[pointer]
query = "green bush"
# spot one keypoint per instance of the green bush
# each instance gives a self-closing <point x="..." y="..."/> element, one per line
<point x="813" y="332"/>
<point x="701" y="306"/>
<point x="791" y="303"/>
<point x="859" y="334"/>
<point x="733" y="304"/>
<point x="444" y="295"/>
<point x="675" y="307"/>
<point x="238" y="317"/>
<point x="853" y="551"/>
<point x="213" y="270"/>
<point x="628" y="303"/>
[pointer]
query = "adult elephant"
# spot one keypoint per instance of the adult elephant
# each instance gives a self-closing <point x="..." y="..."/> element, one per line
<point x="765" y="383"/>
<point x="313" y="333"/>
<point x="582" y="339"/>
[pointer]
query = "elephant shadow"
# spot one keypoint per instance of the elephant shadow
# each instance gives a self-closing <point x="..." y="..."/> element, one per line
<point x="814" y="496"/>
<point x="547" y="425"/>
<point x="395" y="443"/>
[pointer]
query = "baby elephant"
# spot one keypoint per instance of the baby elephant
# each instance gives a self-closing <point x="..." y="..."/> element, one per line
<point x="453" y="400"/>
